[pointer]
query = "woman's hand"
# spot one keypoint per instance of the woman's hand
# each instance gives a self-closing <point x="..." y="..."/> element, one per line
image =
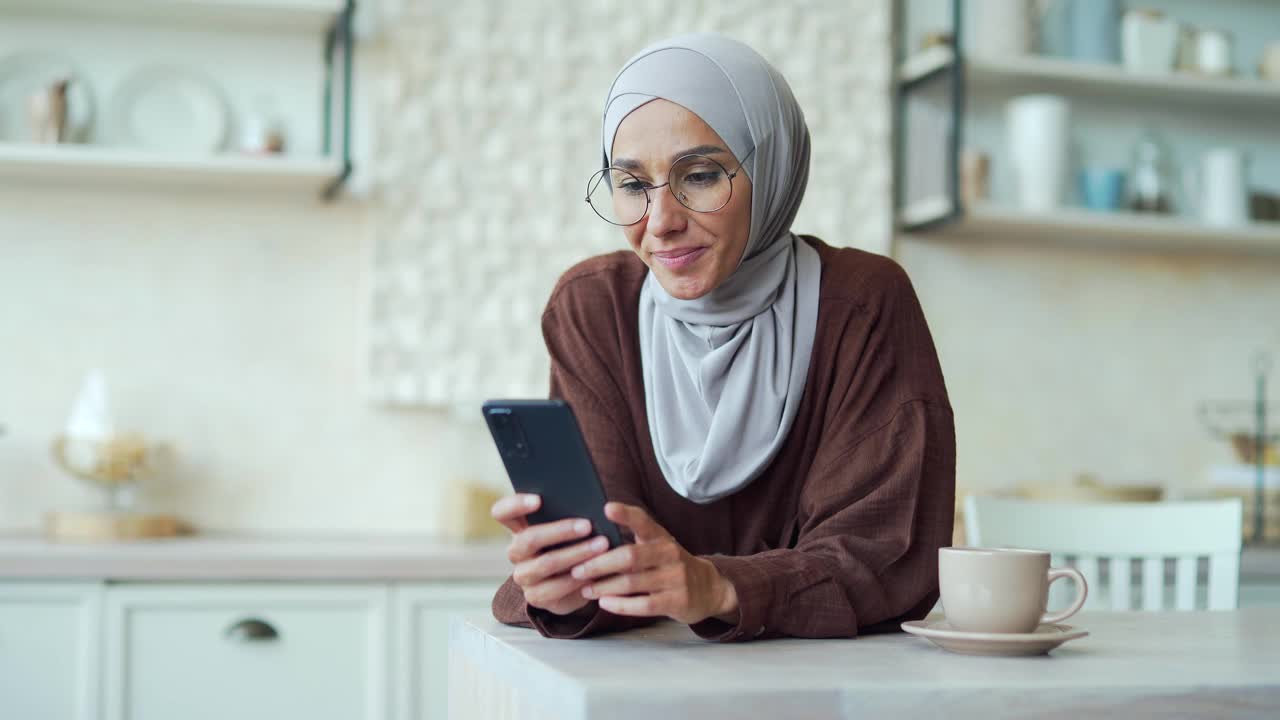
<point x="544" y="577"/>
<point x="655" y="576"/>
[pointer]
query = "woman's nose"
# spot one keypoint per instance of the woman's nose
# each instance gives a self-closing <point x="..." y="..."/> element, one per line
<point x="666" y="214"/>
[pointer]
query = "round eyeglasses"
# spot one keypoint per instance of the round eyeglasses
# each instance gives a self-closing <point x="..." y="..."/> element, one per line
<point x="698" y="182"/>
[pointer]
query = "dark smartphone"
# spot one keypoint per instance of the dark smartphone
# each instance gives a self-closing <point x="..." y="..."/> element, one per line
<point x="543" y="450"/>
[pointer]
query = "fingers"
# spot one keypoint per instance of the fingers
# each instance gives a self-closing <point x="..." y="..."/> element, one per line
<point x="536" y="569"/>
<point x="628" y="559"/>
<point x="546" y="593"/>
<point x="648" y="581"/>
<point x="531" y="540"/>
<point x="663" y="603"/>
<point x="646" y="529"/>
<point x="512" y="509"/>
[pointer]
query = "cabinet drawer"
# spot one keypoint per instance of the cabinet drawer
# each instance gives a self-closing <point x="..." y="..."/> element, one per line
<point x="49" y="650"/>
<point x="246" y="651"/>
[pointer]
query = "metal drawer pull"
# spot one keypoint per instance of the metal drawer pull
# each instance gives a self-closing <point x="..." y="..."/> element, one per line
<point x="252" y="630"/>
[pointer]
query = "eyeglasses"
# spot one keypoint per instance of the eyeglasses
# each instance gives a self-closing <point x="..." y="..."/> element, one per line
<point x="696" y="181"/>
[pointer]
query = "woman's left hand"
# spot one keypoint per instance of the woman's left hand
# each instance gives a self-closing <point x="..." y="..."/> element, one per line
<point x="655" y="575"/>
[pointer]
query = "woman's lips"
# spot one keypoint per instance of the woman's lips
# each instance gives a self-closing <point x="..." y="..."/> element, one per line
<point x="679" y="258"/>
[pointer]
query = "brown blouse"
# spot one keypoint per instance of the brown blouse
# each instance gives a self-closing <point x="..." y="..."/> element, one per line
<point x="840" y="534"/>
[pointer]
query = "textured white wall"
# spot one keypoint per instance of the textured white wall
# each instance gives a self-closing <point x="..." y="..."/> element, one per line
<point x="491" y="127"/>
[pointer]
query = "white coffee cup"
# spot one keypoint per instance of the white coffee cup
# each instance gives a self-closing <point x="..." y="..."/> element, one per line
<point x="1211" y="52"/>
<point x="1001" y="590"/>
<point x="1269" y="66"/>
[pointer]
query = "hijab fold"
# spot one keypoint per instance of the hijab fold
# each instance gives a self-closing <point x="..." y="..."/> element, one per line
<point x="724" y="373"/>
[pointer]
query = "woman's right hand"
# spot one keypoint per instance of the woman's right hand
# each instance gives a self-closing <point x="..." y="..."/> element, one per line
<point x="544" y="577"/>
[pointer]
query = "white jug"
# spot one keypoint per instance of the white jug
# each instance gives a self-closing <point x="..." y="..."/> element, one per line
<point x="1148" y="41"/>
<point x="1217" y="188"/>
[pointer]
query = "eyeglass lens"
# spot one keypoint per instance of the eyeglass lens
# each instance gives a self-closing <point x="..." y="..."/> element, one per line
<point x="698" y="182"/>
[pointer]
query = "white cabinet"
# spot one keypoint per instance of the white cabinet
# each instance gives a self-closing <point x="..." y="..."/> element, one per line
<point x="243" y="650"/>
<point x="246" y="651"/>
<point x="422" y="613"/>
<point x="49" y="646"/>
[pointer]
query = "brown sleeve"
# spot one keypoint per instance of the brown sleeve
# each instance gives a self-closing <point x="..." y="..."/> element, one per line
<point x="581" y="375"/>
<point x="877" y="502"/>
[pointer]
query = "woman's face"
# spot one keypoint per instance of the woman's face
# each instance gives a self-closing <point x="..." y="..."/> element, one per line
<point x="689" y="252"/>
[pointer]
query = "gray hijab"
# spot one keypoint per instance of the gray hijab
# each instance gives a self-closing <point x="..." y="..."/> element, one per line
<point x="724" y="373"/>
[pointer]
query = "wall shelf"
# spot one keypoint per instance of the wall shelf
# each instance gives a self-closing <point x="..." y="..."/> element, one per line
<point x="300" y="16"/>
<point x="85" y="164"/>
<point x="254" y="51"/>
<point x="1033" y="73"/>
<point x="954" y="97"/>
<point x="1076" y="226"/>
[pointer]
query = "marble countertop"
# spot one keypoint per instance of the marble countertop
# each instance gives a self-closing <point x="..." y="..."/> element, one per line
<point x="1197" y="664"/>
<point x="1260" y="564"/>
<point x="215" y="556"/>
<point x="254" y="557"/>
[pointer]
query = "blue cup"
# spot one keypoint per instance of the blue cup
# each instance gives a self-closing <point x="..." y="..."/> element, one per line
<point x="1102" y="188"/>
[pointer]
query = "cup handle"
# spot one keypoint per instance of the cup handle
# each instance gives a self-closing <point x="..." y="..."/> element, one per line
<point x="1082" y="589"/>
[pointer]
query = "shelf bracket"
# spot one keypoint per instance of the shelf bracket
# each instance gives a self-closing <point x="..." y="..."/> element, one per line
<point x="953" y="74"/>
<point x="339" y="38"/>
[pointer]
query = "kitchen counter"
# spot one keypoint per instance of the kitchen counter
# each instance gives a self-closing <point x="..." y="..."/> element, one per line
<point x="254" y="557"/>
<point x="1193" y="664"/>
<point x="1260" y="564"/>
<point x="214" y="556"/>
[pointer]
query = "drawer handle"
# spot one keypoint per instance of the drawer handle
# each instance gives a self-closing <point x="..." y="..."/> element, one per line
<point x="252" y="630"/>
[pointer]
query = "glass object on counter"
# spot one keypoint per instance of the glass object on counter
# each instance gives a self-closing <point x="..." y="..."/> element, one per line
<point x="1151" y="180"/>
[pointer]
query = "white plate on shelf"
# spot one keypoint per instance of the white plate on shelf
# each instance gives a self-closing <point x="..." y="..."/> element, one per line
<point x="23" y="74"/>
<point x="169" y="109"/>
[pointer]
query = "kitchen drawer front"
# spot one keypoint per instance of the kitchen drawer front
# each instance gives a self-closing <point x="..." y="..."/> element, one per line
<point x="421" y="643"/>
<point x="246" y="651"/>
<point x="49" y="643"/>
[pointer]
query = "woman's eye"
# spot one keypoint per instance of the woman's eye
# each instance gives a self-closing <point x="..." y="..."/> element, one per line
<point x="704" y="177"/>
<point x="631" y="187"/>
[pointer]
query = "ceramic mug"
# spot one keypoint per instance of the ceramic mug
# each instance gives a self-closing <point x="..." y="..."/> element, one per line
<point x="1001" y="590"/>
<point x="1102" y="188"/>
<point x="1269" y="66"/>
<point x="1209" y="52"/>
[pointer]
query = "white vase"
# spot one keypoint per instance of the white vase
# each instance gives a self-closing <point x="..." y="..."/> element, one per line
<point x="1148" y="41"/>
<point x="1037" y="127"/>
<point x="998" y="27"/>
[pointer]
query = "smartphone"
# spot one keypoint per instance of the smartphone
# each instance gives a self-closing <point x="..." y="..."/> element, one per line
<point x="543" y="450"/>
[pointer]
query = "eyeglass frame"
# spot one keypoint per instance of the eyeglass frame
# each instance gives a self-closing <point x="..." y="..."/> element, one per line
<point x="648" y="199"/>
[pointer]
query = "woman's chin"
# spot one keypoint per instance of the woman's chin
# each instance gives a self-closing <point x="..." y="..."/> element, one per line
<point x="684" y="287"/>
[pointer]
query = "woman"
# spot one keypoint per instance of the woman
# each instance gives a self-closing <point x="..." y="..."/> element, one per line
<point x="766" y="412"/>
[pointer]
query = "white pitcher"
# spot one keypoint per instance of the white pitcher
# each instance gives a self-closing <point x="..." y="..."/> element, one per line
<point x="1217" y="189"/>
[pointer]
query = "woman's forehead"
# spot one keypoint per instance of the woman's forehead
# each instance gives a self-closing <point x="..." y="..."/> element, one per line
<point x="659" y="128"/>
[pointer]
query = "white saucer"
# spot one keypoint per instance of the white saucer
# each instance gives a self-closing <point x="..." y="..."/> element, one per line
<point x="1040" y="642"/>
